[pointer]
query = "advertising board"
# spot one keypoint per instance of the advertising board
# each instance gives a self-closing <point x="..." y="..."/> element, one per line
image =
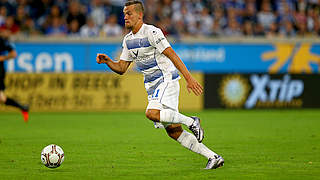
<point x="262" y="91"/>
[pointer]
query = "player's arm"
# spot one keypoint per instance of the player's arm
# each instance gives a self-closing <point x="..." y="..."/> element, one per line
<point x="12" y="54"/>
<point x="119" y="67"/>
<point x="192" y="84"/>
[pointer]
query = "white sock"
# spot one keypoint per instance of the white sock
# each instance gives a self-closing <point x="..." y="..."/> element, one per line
<point x="190" y="142"/>
<point x="170" y="116"/>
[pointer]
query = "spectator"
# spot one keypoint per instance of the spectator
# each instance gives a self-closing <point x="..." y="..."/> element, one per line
<point x="273" y="31"/>
<point x="186" y="18"/>
<point x="90" y="29"/>
<point x="3" y="15"/>
<point x="46" y="20"/>
<point x="284" y="6"/>
<point x="266" y="16"/>
<point x="235" y="7"/>
<point x="75" y="13"/>
<point x="40" y="8"/>
<point x="206" y="22"/>
<point x="10" y="25"/>
<point x="218" y="4"/>
<point x="73" y="29"/>
<point x="117" y="8"/>
<point x="259" y="30"/>
<point x="28" y="27"/>
<point x="286" y="14"/>
<point x="111" y="28"/>
<point x="176" y="17"/>
<point x="62" y="5"/>
<point x="316" y="27"/>
<point x="248" y="28"/>
<point x="165" y="6"/>
<point x="26" y="6"/>
<point x="301" y="20"/>
<point x="149" y="16"/>
<point x="238" y="5"/>
<point x="21" y="16"/>
<point x="311" y="18"/>
<point x="9" y="5"/>
<point x="57" y="28"/>
<point x="97" y="12"/>
<point x="300" y="5"/>
<point x="217" y="29"/>
<point x="249" y="13"/>
<point x="287" y="29"/>
<point x="220" y="18"/>
<point x="232" y="14"/>
<point x="233" y="28"/>
<point x="302" y="29"/>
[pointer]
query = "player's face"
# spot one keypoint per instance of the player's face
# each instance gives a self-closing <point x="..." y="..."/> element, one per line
<point x="131" y="16"/>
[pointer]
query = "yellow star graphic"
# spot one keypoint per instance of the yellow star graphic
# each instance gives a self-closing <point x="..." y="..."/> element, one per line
<point x="302" y="59"/>
<point x="282" y="54"/>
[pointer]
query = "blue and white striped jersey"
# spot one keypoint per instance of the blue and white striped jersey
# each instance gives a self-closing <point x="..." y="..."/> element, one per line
<point x="145" y="49"/>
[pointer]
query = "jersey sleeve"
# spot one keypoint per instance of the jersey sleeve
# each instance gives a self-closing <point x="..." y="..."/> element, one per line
<point x="125" y="55"/>
<point x="158" y="40"/>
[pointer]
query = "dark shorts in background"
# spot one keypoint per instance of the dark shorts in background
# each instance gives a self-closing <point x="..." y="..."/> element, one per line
<point x="2" y="86"/>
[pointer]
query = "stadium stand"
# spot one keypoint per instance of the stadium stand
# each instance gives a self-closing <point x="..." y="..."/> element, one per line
<point x="178" y="18"/>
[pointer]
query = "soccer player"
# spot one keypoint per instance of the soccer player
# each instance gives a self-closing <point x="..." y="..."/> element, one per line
<point x="7" y="52"/>
<point x="149" y="49"/>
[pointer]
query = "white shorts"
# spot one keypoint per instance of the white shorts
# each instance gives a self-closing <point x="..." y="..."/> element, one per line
<point x="166" y="96"/>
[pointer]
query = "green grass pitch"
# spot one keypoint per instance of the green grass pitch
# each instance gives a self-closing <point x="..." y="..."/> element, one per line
<point x="258" y="144"/>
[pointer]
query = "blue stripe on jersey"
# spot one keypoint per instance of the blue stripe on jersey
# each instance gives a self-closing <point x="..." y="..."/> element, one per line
<point x="138" y="43"/>
<point x="155" y="75"/>
<point x="175" y="74"/>
<point x="146" y="65"/>
<point x="154" y="87"/>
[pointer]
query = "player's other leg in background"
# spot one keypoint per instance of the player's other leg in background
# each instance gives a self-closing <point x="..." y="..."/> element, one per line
<point x="11" y="102"/>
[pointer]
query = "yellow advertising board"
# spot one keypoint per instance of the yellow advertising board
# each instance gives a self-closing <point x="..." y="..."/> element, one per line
<point x="87" y="92"/>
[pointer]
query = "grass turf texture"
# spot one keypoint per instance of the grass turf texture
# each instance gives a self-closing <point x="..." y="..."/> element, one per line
<point x="260" y="144"/>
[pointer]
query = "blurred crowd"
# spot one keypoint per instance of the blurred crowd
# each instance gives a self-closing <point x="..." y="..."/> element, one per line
<point x="180" y="18"/>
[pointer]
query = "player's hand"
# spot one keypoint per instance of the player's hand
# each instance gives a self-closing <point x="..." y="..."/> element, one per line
<point x="194" y="86"/>
<point x="101" y="58"/>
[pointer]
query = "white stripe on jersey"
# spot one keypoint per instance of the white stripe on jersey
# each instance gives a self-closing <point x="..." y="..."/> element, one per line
<point x="145" y="49"/>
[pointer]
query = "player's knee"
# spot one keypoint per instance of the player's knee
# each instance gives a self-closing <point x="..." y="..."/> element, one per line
<point x="153" y="115"/>
<point x="174" y="131"/>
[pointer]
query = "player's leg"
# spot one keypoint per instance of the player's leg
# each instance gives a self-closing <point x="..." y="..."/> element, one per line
<point x="11" y="102"/>
<point x="169" y="96"/>
<point x="174" y="117"/>
<point x="190" y="142"/>
<point x="3" y="97"/>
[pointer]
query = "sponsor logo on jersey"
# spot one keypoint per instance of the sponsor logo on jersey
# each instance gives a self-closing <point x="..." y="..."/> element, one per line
<point x="135" y="53"/>
<point x="159" y="40"/>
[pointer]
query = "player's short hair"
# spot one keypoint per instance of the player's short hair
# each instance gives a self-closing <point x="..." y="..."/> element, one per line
<point x="138" y="5"/>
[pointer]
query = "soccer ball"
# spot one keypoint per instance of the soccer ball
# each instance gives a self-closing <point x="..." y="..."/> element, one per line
<point x="52" y="156"/>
